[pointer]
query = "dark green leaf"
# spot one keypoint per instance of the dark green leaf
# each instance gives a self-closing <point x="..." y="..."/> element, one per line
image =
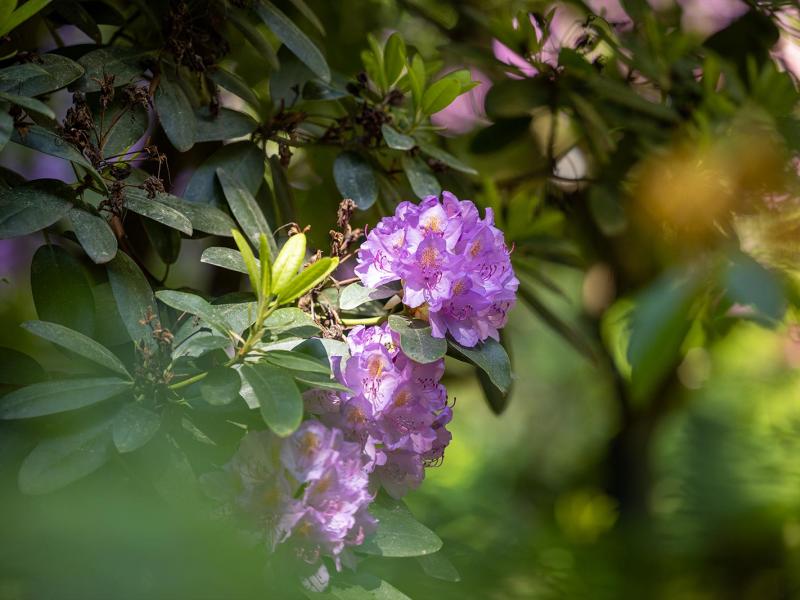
<point x="246" y="210"/>
<point x="134" y="426"/>
<point x="439" y="567"/>
<point x="78" y="343"/>
<point x="420" y="176"/>
<point x="17" y="368"/>
<point x="94" y="234"/>
<point x="295" y="361"/>
<point x="48" y="142"/>
<point x="74" y="12"/>
<point x="175" y="113"/>
<point x="51" y="397"/>
<point x="518" y="97"/>
<point x="31" y="105"/>
<point x="137" y="201"/>
<point x="416" y="339"/>
<point x="355" y="179"/>
<point x="225" y="125"/>
<point x="135" y="300"/>
<point x="203" y="217"/>
<point x="286" y="84"/>
<point x="295" y="40"/>
<point x="58" y="461"/>
<point x="194" y="305"/>
<point x="751" y="284"/>
<point x="399" y="534"/>
<point x="234" y="84"/>
<point x="446" y="158"/>
<point x="28" y="208"/>
<point x="489" y="356"/>
<point x="355" y="294"/>
<point x="275" y="391"/>
<point x="61" y="290"/>
<point x="221" y="386"/>
<point x="396" y="140"/>
<point x="304" y="10"/>
<point x="360" y="586"/>
<point x="243" y="161"/>
<point x="283" y="192"/>
<point x="129" y="125"/>
<point x="502" y="133"/>
<point x="227" y="258"/>
<point x="262" y="46"/>
<point x="125" y="64"/>
<point x="51" y="72"/>
<point x="6" y="127"/>
<point x="165" y="240"/>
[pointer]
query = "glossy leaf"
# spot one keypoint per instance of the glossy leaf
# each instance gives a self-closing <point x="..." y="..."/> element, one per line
<point x="277" y="395"/>
<point x="226" y="258"/>
<point x="308" y="279"/>
<point x="416" y="339"/>
<point x="52" y="397"/>
<point x="137" y="201"/>
<point x="490" y="357"/>
<point x="396" y="140"/>
<point x="294" y="361"/>
<point x="205" y="218"/>
<point x="78" y="343"/>
<point x="134" y="426"/>
<point x="355" y="179"/>
<point x="33" y="206"/>
<point x="288" y="261"/>
<point x="61" y="290"/>
<point x="440" y="95"/>
<point x="51" y="72"/>
<point x="253" y="268"/>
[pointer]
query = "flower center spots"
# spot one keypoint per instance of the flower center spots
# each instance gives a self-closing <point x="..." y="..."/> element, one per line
<point x="402" y="398"/>
<point x="474" y="248"/>
<point x="309" y="443"/>
<point x="433" y="224"/>
<point x="357" y="417"/>
<point x="429" y="258"/>
<point x="375" y="366"/>
<point x="458" y="287"/>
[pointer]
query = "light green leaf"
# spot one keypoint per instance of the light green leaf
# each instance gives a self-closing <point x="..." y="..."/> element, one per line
<point x="294" y="361"/>
<point x="51" y="397"/>
<point x="308" y="279"/>
<point x="416" y="80"/>
<point x="94" y="234"/>
<point x="440" y="94"/>
<point x="134" y="426"/>
<point x="22" y="14"/>
<point x="293" y="37"/>
<point x="253" y="268"/>
<point x="288" y="261"/>
<point x="78" y="343"/>
<point x="58" y="461"/>
<point x="394" y="57"/>
<point x="317" y="380"/>
<point x="355" y="179"/>
<point x="416" y="339"/>
<point x="277" y="395"/>
<point x="399" y="534"/>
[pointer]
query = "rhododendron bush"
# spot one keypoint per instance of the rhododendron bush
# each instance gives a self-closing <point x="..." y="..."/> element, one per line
<point x="260" y="243"/>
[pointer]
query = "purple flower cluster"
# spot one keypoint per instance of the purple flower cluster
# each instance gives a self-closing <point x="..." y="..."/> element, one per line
<point x="397" y="412"/>
<point x="449" y="260"/>
<point x="309" y="491"/>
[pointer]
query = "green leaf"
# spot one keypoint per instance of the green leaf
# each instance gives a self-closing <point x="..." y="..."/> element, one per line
<point x="394" y="57"/>
<point x="205" y="218"/>
<point x="137" y="201"/>
<point x="446" y="158"/>
<point x="512" y="98"/>
<point x="245" y="208"/>
<point x="396" y="140"/>
<point x="284" y="199"/>
<point x="304" y="10"/>
<point x="50" y="73"/>
<point x="22" y="14"/>
<point x="198" y="345"/>
<point x="243" y="161"/>
<point x="440" y="94"/>
<point x="58" y="461"/>
<point x="291" y="322"/>
<point x="249" y="259"/>
<point x="51" y="397"/>
<point x="295" y="40"/>
<point x="31" y="105"/>
<point x="659" y="323"/>
<point x="124" y="63"/>
<point x="226" y="258"/>
<point x="225" y="125"/>
<point x="175" y="113"/>
<point x="317" y="380"/>
<point x="399" y="534"/>
<point x="294" y="361"/>
<point x="129" y="124"/>
<point x="360" y="586"/>
<point x="134" y="426"/>
<point x="17" y="368"/>
<point x="194" y="305"/>
<point x="420" y="176"/>
<point x="416" y="79"/>
<point x="221" y="386"/>
<point x="288" y="261"/>
<point x="355" y="179"/>
<point x="61" y="290"/>
<point x="490" y="357"/>
<point x="135" y="300"/>
<point x="74" y="13"/>
<point x="624" y="95"/>
<point x="276" y="393"/>
<point x="750" y="284"/>
<point x="262" y="46"/>
<point x="416" y="339"/>
<point x="308" y="279"/>
<point x="355" y="294"/>
<point x="78" y="343"/>
<point x="439" y="567"/>
<point x="165" y="240"/>
<point x="235" y="85"/>
<point x="33" y="206"/>
<point x="6" y="128"/>
<point x="94" y="234"/>
<point x="45" y="141"/>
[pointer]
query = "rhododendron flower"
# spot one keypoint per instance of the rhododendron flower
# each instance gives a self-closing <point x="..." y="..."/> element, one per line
<point x="308" y="491"/>
<point x="397" y="412"/>
<point x="449" y="261"/>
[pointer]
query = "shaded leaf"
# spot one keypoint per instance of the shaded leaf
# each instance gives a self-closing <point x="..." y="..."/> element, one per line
<point x="234" y="84"/>
<point x="438" y="566"/>
<point x="396" y="140"/>
<point x="51" y="72"/>
<point x="416" y="339"/>
<point x="94" y="234"/>
<point x="355" y="294"/>
<point x="137" y="201"/>
<point x="295" y="361"/>
<point x="245" y="208"/>
<point x="17" y="368"/>
<point x="135" y="300"/>
<point x="399" y="534"/>
<point x="490" y="357"/>
<point x="446" y="158"/>
<point x="134" y="426"/>
<point x="175" y="113"/>
<point x="355" y="179"/>
<point x="125" y="64"/>
<point x="51" y="397"/>
<point x="194" y="305"/>
<point x="33" y="206"/>
<point x="243" y="161"/>
<point x="420" y="176"/>
<point x="61" y="290"/>
<point x="205" y="218"/>
<point x="221" y="386"/>
<point x="225" y="125"/>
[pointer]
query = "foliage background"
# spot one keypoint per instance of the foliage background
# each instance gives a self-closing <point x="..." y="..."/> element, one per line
<point x="564" y="494"/>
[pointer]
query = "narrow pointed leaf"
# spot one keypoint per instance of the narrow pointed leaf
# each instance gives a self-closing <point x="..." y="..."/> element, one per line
<point x="308" y="279"/>
<point x="194" y="305"/>
<point x="288" y="261"/>
<point x="135" y="300"/>
<point x="244" y="207"/>
<point x="226" y="258"/>
<point x="206" y="218"/>
<point x="253" y="268"/>
<point x="51" y="397"/>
